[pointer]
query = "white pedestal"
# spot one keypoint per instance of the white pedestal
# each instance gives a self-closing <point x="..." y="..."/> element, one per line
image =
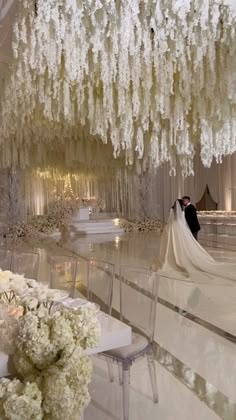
<point x="83" y="214"/>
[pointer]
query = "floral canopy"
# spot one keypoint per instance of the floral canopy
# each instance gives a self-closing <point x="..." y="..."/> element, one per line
<point x="152" y="79"/>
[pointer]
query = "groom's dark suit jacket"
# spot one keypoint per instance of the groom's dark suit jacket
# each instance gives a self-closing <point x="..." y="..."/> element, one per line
<point x="191" y="218"/>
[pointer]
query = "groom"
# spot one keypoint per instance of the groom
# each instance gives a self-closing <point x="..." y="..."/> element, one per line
<point x="191" y="216"/>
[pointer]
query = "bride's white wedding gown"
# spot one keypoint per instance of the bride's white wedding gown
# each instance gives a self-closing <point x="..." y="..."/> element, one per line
<point x="181" y="253"/>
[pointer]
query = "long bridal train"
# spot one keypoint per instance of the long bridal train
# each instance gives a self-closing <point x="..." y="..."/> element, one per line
<point x="181" y="255"/>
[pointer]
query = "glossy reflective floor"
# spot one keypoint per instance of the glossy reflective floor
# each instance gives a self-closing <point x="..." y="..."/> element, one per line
<point x="176" y="402"/>
<point x="196" y="330"/>
<point x="195" y="338"/>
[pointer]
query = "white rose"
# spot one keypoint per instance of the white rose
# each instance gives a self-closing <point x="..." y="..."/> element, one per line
<point x="32" y="283"/>
<point x="41" y="296"/>
<point x="16" y="276"/>
<point x="18" y="285"/>
<point x="41" y="286"/>
<point x="30" y="301"/>
<point x="54" y="295"/>
<point x="4" y="275"/>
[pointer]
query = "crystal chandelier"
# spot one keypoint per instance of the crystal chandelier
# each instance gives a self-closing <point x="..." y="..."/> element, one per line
<point x="156" y="79"/>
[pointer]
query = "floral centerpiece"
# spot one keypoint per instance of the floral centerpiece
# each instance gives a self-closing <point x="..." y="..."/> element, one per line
<point x="19" y="295"/>
<point x="83" y="203"/>
<point x="51" y="360"/>
<point x="91" y="202"/>
<point x="17" y="290"/>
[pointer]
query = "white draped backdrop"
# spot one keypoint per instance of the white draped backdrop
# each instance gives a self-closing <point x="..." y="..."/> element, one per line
<point x="132" y="196"/>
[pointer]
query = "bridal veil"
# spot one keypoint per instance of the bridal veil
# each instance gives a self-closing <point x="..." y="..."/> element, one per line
<point x="181" y="253"/>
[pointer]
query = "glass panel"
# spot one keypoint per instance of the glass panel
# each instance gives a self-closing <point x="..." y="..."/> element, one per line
<point x="25" y="263"/>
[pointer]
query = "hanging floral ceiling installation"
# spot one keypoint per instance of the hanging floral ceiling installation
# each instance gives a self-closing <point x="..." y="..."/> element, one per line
<point x="153" y="78"/>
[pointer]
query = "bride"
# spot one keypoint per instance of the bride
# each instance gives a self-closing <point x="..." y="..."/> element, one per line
<point x="181" y="253"/>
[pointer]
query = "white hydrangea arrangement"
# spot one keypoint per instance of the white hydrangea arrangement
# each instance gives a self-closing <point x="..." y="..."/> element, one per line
<point x="46" y="338"/>
<point x="20" y="401"/>
<point x="65" y="389"/>
<point x="50" y="357"/>
<point x="19" y="295"/>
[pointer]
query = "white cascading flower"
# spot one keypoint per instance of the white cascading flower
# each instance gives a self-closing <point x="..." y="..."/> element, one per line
<point x="154" y="78"/>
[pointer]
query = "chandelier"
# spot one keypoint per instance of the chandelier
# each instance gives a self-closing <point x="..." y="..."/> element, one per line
<point x="156" y="79"/>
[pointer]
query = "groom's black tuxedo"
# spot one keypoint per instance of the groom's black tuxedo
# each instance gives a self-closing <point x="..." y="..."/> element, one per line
<point x="191" y="218"/>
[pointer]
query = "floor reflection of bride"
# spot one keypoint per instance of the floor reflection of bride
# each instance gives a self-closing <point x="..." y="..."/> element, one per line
<point x="181" y="254"/>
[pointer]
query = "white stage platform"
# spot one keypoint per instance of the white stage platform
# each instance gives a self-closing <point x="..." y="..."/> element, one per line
<point x="89" y="227"/>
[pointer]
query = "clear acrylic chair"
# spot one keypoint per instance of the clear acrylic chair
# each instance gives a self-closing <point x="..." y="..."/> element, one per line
<point x="5" y="259"/>
<point x="99" y="289"/>
<point x="63" y="271"/>
<point x="100" y="284"/>
<point x="26" y="263"/>
<point x="138" y="300"/>
<point x="81" y="277"/>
